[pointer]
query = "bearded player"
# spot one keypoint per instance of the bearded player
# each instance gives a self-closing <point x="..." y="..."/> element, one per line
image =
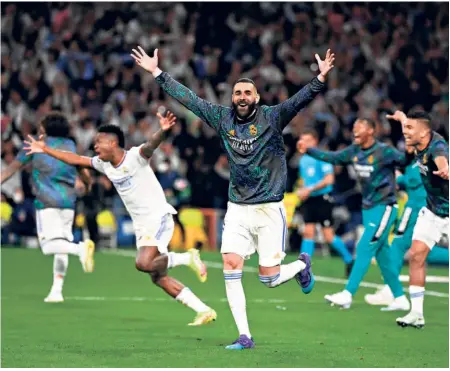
<point x="256" y="218"/>
<point x="431" y="155"/>
<point x="145" y="201"/>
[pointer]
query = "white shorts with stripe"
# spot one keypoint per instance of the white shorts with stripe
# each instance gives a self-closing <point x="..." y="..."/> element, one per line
<point x="154" y="231"/>
<point x="54" y="224"/>
<point x="258" y="228"/>
<point x="430" y="228"/>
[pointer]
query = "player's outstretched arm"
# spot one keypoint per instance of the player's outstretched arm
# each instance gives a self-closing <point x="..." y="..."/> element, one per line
<point x="287" y="110"/>
<point x="342" y="157"/>
<point x="10" y="170"/>
<point x="206" y="111"/>
<point x="165" y="123"/>
<point x="39" y="146"/>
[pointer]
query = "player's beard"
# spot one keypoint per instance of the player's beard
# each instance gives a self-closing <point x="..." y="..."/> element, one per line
<point x="249" y="110"/>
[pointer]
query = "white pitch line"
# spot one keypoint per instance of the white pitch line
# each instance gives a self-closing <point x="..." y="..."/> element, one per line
<point x="342" y="281"/>
<point x="138" y="298"/>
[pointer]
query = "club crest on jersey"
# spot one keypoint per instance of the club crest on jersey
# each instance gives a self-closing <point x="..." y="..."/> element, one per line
<point x="125" y="170"/>
<point x="370" y="159"/>
<point x="253" y="130"/>
<point x="355" y="159"/>
<point x="424" y="159"/>
<point x="232" y="132"/>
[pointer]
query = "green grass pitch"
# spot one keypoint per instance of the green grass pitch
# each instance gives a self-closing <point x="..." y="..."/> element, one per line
<point x="115" y="317"/>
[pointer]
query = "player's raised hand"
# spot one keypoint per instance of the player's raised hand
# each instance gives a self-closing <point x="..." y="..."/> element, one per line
<point x="142" y="59"/>
<point x="166" y="122"/>
<point x="443" y="173"/>
<point x="33" y="145"/>
<point x="327" y="64"/>
<point x="397" y="116"/>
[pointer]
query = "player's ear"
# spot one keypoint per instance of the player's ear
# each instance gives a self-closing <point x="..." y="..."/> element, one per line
<point x="257" y="98"/>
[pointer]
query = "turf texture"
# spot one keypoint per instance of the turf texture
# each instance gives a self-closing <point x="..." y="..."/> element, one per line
<point x="115" y="317"/>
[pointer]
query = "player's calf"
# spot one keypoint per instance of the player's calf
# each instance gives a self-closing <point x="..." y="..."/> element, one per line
<point x="270" y="281"/>
<point x="279" y="274"/>
<point x="418" y="255"/>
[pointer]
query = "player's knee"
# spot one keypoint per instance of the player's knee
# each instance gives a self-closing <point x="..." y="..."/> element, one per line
<point x="270" y="281"/>
<point x="143" y="265"/>
<point x="49" y="248"/>
<point x="417" y="256"/>
<point x="308" y="232"/>
<point x="232" y="262"/>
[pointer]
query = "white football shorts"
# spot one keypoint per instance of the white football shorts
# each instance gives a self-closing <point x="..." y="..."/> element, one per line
<point x="52" y="224"/>
<point x="152" y="231"/>
<point x="429" y="227"/>
<point x="258" y="228"/>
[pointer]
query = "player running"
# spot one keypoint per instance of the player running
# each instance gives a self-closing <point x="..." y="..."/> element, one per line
<point x="256" y="218"/>
<point x="431" y="155"/>
<point x="144" y="199"/>
<point x="375" y="164"/>
<point x="53" y="184"/>
<point x="317" y="203"/>
<point x="411" y="181"/>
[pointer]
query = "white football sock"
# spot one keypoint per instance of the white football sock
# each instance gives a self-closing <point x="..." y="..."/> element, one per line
<point x="188" y="298"/>
<point x="236" y="300"/>
<point x="60" y="246"/>
<point x="287" y="272"/>
<point x="60" y="264"/>
<point x="176" y="259"/>
<point x="416" y="294"/>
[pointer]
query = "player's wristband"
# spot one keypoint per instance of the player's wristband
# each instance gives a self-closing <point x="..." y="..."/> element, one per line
<point x="157" y="72"/>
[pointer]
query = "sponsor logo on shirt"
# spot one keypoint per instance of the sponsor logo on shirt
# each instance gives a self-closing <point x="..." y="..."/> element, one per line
<point x="122" y="184"/>
<point x="364" y="171"/>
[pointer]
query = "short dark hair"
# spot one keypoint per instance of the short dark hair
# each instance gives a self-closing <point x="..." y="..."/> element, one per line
<point x="245" y="79"/>
<point x="56" y="124"/>
<point x="312" y="132"/>
<point x="114" y="130"/>
<point x="369" y="122"/>
<point x="420" y="116"/>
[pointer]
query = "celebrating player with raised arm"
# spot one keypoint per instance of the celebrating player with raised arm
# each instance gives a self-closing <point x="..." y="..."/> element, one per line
<point x="411" y="181"/>
<point x="431" y="154"/>
<point x="256" y="218"/>
<point x="145" y="201"/>
<point x="54" y="185"/>
<point x="375" y="165"/>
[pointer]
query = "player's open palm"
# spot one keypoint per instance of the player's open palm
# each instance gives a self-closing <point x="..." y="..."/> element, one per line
<point x="148" y="63"/>
<point x="397" y="116"/>
<point x="34" y="146"/>
<point x="327" y="64"/>
<point x="166" y="122"/>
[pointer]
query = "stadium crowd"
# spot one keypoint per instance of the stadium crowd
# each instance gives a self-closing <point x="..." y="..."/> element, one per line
<point x="75" y="57"/>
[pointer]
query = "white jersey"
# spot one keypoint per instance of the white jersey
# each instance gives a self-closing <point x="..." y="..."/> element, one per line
<point x="136" y="184"/>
